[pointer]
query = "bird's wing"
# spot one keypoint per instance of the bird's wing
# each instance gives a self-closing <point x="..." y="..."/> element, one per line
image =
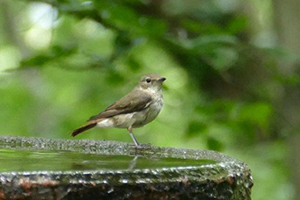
<point x="132" y="102"/>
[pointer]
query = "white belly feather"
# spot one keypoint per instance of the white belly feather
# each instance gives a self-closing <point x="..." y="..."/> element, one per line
<point x="106" y="123"/>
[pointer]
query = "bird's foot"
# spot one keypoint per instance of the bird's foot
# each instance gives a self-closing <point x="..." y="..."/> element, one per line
<point x="142" y="146"/>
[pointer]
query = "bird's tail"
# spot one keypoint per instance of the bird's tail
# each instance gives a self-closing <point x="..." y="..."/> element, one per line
<point x="84" y="128"/>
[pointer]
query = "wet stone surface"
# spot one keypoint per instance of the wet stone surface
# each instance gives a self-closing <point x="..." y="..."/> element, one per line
<point x="36" y="168"/>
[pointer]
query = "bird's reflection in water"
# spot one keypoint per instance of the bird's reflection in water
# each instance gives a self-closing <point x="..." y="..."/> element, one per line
<point x="127" y="163"/>
<point x="133" y="162"/>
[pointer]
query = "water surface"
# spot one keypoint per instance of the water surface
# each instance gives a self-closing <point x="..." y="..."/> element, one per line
<point x="58" y="160"/>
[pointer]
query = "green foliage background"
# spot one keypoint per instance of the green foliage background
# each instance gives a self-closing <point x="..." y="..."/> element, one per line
<point x="63" y="61"/>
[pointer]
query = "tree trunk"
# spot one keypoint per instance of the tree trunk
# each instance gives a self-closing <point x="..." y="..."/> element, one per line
<point x="287" y="15"/>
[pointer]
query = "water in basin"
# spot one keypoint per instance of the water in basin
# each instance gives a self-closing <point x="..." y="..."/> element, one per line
<point x="59" y="160"/>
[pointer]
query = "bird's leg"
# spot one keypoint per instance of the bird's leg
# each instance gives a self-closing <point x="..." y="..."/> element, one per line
<point x="137" y="144"/>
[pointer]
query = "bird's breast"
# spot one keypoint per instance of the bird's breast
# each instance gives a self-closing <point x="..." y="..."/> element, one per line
<point x="149" y="114"/>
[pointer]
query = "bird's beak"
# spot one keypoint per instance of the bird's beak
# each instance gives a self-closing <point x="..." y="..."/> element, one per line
<point x="162" y="79"/>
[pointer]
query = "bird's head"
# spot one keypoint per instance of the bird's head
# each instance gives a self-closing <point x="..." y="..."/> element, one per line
<point x="152" y="82"/>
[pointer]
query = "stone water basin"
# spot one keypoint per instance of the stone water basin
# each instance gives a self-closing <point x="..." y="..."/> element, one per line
<point x="39" y="168"/>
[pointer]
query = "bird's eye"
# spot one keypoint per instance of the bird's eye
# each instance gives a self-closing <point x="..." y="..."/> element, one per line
<point x="148" y="80"/>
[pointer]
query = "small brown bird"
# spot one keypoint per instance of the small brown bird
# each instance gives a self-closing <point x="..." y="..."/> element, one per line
<point x="137" y="108"/>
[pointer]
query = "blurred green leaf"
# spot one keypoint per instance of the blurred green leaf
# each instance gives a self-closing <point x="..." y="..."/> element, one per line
<point x="256" y="113"/>
<point x="214" y="144"/>
<point x="201" y="28"/>
<point x="126" y="19"/>
<point x="214" y="39"/>
<point x="293" y="79"/>
<point x="195" y="128"/>
<point x="236" y="25"/>
<point x="115" y="78"/>
<point x="54" y="53"/>
<point x="223" y="58"/>
<point x="133" y="64"/>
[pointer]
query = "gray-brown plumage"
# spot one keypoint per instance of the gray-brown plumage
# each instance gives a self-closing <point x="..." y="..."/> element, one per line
<point x="137" y="108"/>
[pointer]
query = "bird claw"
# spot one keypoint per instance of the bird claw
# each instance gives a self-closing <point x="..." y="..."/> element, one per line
<point x="142" y="146"/>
